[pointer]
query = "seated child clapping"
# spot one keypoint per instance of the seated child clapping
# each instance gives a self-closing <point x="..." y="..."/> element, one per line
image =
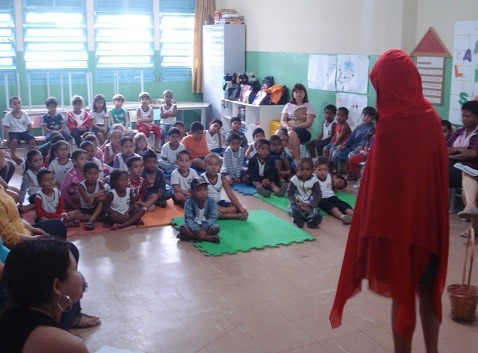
<point x="154" y="179"/>
<point x="262" y="172"/>
<point x="226" y="209"/>
<point x="170" y="150"/>
<point x="119" y="207"/>
<point x="330" y="203"/>
<point x="93" y="194"/>
<point x="304" y="194"/>
<point x="233" y="160"/>
<point x="181" y="178"/>
<point x="200" y="214"/>
<point x="49" y="204"/>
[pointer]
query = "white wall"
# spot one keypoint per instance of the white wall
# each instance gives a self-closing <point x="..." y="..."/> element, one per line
<point x="347" y="26"/>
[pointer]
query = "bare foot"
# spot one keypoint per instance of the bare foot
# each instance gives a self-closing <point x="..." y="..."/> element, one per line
<point x="85" y="321"/>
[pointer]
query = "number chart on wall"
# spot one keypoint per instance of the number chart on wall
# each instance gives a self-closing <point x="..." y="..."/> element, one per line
<point x="464" y="82"/>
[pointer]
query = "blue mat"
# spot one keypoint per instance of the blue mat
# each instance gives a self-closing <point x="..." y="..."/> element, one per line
<point x="244" y="189"/>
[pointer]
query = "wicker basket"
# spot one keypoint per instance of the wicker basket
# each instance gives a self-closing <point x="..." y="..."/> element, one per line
<point x="464" y="297"/>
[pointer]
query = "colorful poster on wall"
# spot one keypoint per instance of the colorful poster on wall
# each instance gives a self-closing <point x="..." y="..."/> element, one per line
<point x="352" y="73"/>
<point x="321" y="73"/>
<point x="355" y="104"/>
<point x="432" y="71"/>
<point x="464" y="81"/>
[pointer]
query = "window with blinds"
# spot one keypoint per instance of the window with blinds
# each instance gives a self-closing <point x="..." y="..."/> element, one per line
<point x="55" y="34"/>
<point x="176" y="39"/>
<point x="7" y="40"/>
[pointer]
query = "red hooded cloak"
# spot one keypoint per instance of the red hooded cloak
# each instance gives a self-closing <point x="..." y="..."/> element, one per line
<point x="401" y="215"/>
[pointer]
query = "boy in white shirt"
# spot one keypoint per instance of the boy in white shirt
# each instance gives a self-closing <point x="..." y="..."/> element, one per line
<point x="181" y="178"/>
<point x="170" y="150"/>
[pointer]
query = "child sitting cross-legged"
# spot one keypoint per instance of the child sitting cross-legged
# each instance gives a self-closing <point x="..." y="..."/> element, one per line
<point x="140" y="144"/>
<point x="72" y="179"/>
<point x="284" y="163"/>
<point x="330" y="203"/>
<point x="181" y="178"/>
<point x="49" y="204"/>
<point x="233" y="160"/>
<point x="195" y="142"/>
<point x="304" y="194"/>
<point x="119" y="207"/>
<point x="93" y="194"/>
<point x="214" y="138"/>
<point x="262" y="172"/>
<point x="257" y="135"/>
<point x="200" y="214"/>
<point x="170" y="150"/>
<point x="236" y="125"/>
<point x="137" y="185"/>
<point x="154" y="179"/>
<point x="226" y="209"/>
<point x="127" y="151"/>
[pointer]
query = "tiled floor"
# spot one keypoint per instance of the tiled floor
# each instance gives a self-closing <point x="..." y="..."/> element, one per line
<point x="156" y="294"/>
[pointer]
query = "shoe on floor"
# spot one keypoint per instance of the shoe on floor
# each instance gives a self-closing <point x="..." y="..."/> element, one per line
<point x="263" y="191"/>
<point x="346" y="219"/>
<point x="468" y="213"/>
<point x="297" y="217"/>
<point x="356" y="185"/>
<point x="283" y="189"/>
<point x="314" y="221"/>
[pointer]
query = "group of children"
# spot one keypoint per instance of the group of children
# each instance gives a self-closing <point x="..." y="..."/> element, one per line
<point x="114" y="175"/>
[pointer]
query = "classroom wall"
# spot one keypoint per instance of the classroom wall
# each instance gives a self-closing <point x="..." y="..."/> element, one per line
<point x="280" y="36"/>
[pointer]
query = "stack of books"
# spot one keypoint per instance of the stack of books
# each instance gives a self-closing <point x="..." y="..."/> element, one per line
<point x="227" y="16"/>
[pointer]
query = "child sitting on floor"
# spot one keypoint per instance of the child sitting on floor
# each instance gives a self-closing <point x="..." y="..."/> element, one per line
<point x="226" y="209"/>
<point x="257" y="135"/>
<point x="93" y="194"/>
<point x="262" y="172"/>
<point x="214" y="138"/>
<point x="233" y="160"/>
<point x="136" y="184"/>
<point x="120" y="210"/>
<point x="284" y="163"/>
<point x="342" y="132"/>
<point x="127" y="151"/>
<point x="72" y="180"/>
<point x="304" y="194"/>
<point x="200" y="214"/>
<point x="49" y="204"/>
<point x="330" y="203"/>
<point x="112" y="148"/>
<point x="180" y="126"/>
<point x="196" y="143"/>
<point x="33" y="164"/>
<point x="140" y="144"/>
<point x="89" y="147"/>
<point x="236" y="125"/>
<point x="154" y="179"/>
<point x="170" y="150"/>
<point x="181" y="178"/>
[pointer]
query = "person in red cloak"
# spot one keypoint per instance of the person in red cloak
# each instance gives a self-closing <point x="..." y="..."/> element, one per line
<point x="398" y="239"/>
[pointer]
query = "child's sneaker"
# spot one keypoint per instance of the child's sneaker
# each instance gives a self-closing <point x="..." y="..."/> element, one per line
<point x="263" y="191"/>
<point x="346" y="219"/>
<point x="297" y="218"/>
<point x="283" y="189"/>
<point x="314" y="221"/>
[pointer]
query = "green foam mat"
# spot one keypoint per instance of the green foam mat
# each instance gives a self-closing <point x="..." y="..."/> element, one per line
<point x="261" y="230"/>
<point x="282" y="203"/>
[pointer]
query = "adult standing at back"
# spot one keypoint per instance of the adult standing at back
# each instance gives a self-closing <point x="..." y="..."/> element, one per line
<point x="398" y="240"/>
<point x="297" y="117"/>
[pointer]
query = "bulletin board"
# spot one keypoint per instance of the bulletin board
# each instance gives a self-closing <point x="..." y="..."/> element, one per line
<point x="432" y="71"/>
<point x="464" y="80"/>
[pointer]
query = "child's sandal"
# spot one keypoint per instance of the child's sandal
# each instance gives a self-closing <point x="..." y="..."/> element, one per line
<point x="90" y="225"/>
<point x="75" y="223"/>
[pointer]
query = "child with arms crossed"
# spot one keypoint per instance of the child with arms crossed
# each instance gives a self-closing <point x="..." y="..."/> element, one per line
<point x="181" y="178"/>
<point x="93" y="194"/>
<point x="330" y="203"/>
<point x="127" y="151"/>
<point x="226" y="209"/>
<point x="200" y="214"/>
<point x="304" y="194"/>
<point x="168" y="112"/>
<point x="120" y="210"/>
<point x="53" y="121"/>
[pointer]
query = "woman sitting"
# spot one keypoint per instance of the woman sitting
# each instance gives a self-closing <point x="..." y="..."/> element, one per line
<point x="42" y="278"/>
<point x="297" y="117"/>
